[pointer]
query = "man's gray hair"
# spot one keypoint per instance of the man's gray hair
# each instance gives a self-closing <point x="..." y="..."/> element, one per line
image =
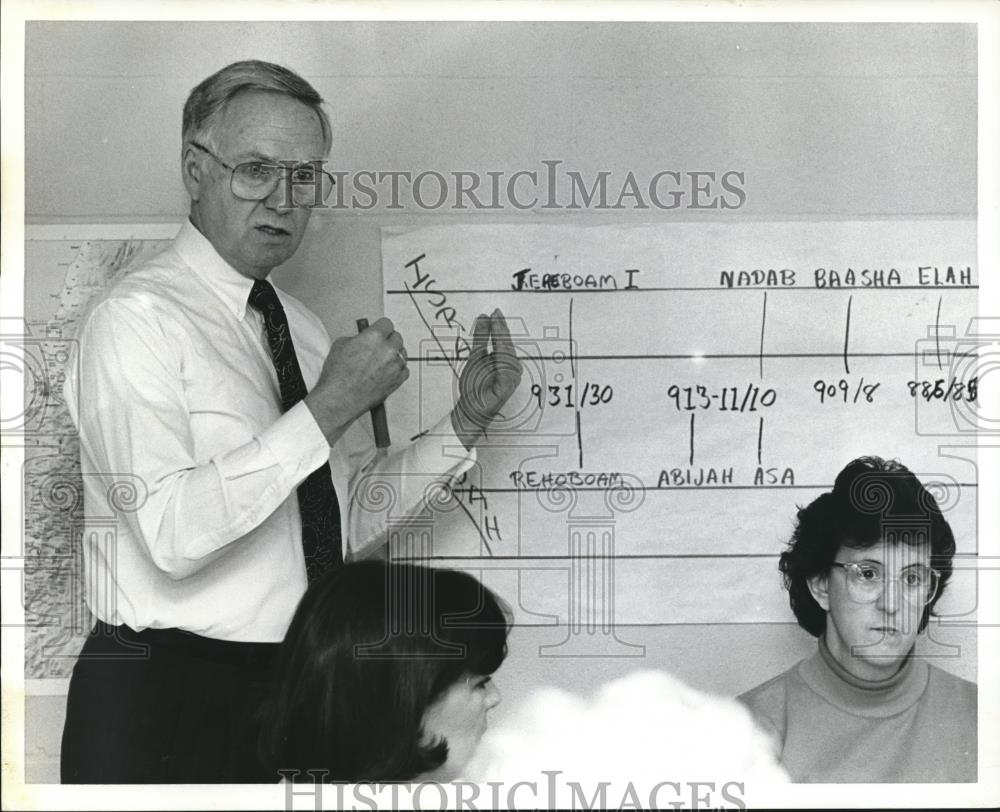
<point x="207" y="101"/>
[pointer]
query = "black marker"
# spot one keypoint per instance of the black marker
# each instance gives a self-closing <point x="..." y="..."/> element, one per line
<point x="380" y="423"/>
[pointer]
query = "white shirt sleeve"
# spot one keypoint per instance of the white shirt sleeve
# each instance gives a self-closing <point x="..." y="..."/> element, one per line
<point x="129" y="406"/>
<point x="395" y="486"/>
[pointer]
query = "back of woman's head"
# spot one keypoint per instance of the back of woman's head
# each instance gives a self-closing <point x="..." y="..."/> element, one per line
<point x="370" y="647"/>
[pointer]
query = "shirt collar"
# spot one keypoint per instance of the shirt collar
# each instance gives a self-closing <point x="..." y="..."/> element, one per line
<point x="222" y="278"/>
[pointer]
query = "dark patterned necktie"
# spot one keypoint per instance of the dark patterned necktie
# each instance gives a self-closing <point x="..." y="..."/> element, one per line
<point x="317" y="499"/>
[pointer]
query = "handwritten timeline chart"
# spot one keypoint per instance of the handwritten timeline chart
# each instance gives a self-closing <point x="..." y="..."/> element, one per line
<point x="685" y="387"/>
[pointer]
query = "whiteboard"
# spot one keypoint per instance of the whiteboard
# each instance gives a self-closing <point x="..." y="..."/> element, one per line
<point x="686" y="386"/>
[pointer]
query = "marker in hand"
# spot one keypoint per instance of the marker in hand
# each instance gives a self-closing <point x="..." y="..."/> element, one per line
<point x="380" y="423"/>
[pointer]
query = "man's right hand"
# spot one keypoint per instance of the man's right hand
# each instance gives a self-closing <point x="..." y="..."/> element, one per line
<point x="359" y="372"/>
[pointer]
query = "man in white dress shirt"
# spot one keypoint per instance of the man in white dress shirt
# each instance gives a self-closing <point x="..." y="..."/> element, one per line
<point x="189" y="389"/>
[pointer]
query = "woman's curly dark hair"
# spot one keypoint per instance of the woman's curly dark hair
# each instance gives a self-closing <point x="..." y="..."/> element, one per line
<point x="870" y="498"/>
<point x="370" y="648"/>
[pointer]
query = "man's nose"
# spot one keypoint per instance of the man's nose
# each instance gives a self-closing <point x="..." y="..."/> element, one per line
<point x="281" y="195"/>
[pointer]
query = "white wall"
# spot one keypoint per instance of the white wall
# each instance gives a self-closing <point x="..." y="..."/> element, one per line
<point x="831" y="121"/>
<point x="836" y="121"/>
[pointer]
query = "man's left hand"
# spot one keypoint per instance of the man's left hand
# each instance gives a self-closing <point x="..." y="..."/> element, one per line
<point x="488" y="379"/>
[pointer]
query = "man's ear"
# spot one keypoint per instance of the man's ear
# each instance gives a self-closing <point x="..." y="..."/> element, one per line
<point x="192" y="171"/>
<point x="819" y="586"/>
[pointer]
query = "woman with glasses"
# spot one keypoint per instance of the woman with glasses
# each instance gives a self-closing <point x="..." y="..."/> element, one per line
<point x="384" y="675"/>
<point x="864" y="568"/>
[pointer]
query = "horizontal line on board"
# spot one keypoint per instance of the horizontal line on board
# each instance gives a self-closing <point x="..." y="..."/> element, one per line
<point x="600" y="489"/>
<point x="618" y="625"/>
<point x="653" y="556"/>
<point x="599" y="218"/>
<point x="617" y="556"/>
<point x="641" y="78"/>
<point x="676" y="290"/>
<point x="946" y="624"/>
<point x="706" y="356"/>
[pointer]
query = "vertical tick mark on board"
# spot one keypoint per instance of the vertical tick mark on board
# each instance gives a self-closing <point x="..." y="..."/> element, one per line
<point x="691" y="456"/>
<point x="572" y="354"/>
<point x="763" y="321"/>
<point x="847" y="334"/>
<point x="579" y="439"/>
<point x="937" y="332"/>
<point x="760" y="441"/>
<point x="572" y="365"/>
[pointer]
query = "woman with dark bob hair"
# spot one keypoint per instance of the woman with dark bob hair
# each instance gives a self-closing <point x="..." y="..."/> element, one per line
<point x="864" y="569"/>
<point x="384" y="675"/>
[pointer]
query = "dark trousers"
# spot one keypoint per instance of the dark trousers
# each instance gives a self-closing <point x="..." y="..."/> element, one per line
<point x="164" y="706"/>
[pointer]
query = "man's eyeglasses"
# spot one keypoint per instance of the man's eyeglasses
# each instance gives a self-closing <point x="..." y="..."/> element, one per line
<point x="866" y="580"/>
<point x="306" y="184"/>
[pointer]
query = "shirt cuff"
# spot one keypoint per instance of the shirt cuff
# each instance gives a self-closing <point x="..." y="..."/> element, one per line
<point x="297" y="442"/>
<point x="439" y="443"/>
